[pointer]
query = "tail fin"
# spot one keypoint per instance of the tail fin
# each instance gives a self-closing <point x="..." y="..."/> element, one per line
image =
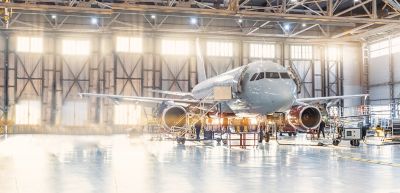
<point x="201" y="70"/>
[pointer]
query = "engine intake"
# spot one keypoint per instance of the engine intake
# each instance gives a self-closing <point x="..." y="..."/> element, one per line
<point x="174" y="117"/>
<point x="304" y="117"/>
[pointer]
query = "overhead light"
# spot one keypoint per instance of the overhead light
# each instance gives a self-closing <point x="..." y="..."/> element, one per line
<point x="153" y="16"/>
<point x="240" y="20"/>
<point x="356" y="1"/>
<point x="193" y="21"/>
<point x="303" y="25"/>
<point x="94" y="20"/>
<point x="293" y="1"/>
<point x="286" y="27"/>
<point x="54" y="16"/>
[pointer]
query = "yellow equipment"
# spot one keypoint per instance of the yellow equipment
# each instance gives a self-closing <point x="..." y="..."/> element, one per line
<point x="379" y="131"/>
<point x="5" y="13"/>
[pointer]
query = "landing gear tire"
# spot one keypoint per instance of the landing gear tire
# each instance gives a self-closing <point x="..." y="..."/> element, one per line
<point x="355" y="142"/>
<point x="335" y="142"/>
<point x="181" y="140"/>
<point x="219" y="140"/>
<point x="290" y="134"/>
<point x="294" y="134"/>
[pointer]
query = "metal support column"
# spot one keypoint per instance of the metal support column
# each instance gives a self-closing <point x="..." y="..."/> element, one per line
<point x="330" y="7"/>
<point x="374" y="9"/>
<point x="6" y="70"/>
<point x="53" y="111"/>
<point x="324" y="63"/>
<point x="99" y="106"/>
<point x="284" y="6"/>
<point x="365" y="70"/>
<point x="391" y="78"/>
<point x="340" y="76"/>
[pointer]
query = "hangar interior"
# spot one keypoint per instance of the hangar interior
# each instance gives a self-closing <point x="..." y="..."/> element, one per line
<point x="43" y="87"/>
<point x="52" y="50"/>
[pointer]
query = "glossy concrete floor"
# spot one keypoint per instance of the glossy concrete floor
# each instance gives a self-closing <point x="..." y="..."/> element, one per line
<point x="119" y="164"/>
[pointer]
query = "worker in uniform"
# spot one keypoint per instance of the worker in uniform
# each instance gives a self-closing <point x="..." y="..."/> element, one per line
<point x="197" y="126"/>
<point x="322" y="128"/>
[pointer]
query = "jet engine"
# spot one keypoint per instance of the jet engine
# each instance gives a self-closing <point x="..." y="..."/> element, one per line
<point x="173" y="117"/>
<point x="304" y="117"/>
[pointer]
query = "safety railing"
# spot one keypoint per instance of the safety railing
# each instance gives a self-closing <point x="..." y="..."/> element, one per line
<point x="243" y="139"/>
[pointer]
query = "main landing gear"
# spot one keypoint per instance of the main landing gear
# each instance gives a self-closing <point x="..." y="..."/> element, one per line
<point x="181" y="140"/>
<point x="353" y="142"/>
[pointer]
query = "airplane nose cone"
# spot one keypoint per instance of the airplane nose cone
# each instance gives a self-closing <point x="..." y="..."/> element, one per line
<point x="284" y="98"/>
<point x="270" y="96"/>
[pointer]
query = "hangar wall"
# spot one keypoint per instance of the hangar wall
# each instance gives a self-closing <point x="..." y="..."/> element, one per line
<point x="383" y="68"/>
<point x="352" y="70"/>
<point x="50" y="80"/>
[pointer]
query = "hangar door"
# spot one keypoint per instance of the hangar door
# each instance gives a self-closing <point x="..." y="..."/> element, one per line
<point x="28" y="112"/>
<point x="75" y="113"/>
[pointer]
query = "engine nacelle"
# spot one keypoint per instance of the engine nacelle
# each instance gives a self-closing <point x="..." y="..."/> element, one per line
<point x="173" y="117"/>
<point x="304" y="117"/>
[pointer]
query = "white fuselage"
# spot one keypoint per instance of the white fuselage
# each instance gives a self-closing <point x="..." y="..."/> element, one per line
<point x="257" y="88"/>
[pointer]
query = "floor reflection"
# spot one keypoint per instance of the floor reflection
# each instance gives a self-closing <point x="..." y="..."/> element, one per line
<point x="52" y="163"/>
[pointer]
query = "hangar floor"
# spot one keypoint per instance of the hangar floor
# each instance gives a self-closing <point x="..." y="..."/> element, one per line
<point x="118" y="164"/>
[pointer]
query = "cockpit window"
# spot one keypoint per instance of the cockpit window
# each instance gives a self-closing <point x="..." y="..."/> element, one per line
<point x="285" y="75"/>
<point x="273" y="75"/>
<point x="260" y="76"/>
<point x="253" y="77"/>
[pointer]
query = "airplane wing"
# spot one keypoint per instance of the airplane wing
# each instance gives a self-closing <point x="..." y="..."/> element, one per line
<point x="145" y="99"/>
<point x="182" y="94"/>
<point x="330" y="98"/>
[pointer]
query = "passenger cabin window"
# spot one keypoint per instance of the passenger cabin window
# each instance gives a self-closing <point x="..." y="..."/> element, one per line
<point x="272" y="75"/>
<point x="253" y="77"/>
<point x="285" y="75"/>
<point x="260" y="76"/>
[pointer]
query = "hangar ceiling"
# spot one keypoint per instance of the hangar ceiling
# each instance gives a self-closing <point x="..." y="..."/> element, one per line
<point x="310" y="19"/>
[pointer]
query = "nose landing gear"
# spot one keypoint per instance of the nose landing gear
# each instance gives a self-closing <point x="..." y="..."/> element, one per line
<point x="355" y="142"/>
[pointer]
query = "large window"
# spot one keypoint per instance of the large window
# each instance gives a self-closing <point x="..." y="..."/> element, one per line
<point x="75" y="113"/>
<point x="301" y="52"/>
<point x="262" y="50"/>
<point x="30" y="44"/>
<point x="333" y="53"/>
<point x="175" y="47"/>
<point x="129" y="44"/>
<point x="379" y="49"/>
<point x="76" y="47"/>
<point x="127" y="114"/>
<point x="28" y="112"/>
<point x="224" y="49"/>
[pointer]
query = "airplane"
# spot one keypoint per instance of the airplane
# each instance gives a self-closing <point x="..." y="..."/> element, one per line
<point x="257" y="88"/>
